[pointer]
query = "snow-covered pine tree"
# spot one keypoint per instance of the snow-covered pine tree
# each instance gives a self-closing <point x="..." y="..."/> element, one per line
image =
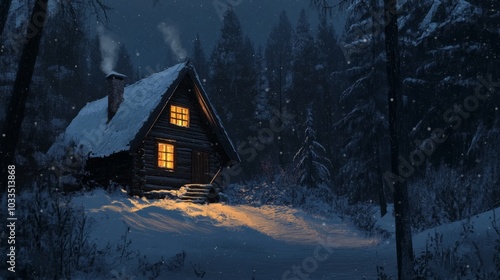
<point x="303" y="76"/>
<point x="312" y="164"/>
<point x="362" y="128"/>
<point x="446" y="48"/>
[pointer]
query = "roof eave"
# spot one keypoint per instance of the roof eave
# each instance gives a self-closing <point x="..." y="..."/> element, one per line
<point x="219" y="131"/>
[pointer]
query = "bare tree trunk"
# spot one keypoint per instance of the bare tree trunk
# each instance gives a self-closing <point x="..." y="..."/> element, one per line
<point x="17" y="104"/>
<point x="4" y="12"/>
<point x="373" y="88"/>
<point x="404" y="246"/>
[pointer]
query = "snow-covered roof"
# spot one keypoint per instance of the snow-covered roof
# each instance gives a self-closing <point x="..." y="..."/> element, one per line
<point x="91" y="130"/>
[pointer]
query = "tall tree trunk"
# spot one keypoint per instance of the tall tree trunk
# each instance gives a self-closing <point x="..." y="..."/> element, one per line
<point x="379" y="184"/>
<point x="17" y="104"/>
<point x="404" y="245"/>
<point x="4" y="12"/>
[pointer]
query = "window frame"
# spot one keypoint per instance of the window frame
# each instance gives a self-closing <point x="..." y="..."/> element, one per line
<point x="173" y="120"/>
<point x="174" y="155"/>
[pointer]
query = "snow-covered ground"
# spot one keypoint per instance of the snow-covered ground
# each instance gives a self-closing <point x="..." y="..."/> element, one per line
<point x="240" y="241"/>
<point x="233" y="241"/>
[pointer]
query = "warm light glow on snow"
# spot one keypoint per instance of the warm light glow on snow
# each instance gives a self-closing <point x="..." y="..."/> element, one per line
<point x="280" y="223"/>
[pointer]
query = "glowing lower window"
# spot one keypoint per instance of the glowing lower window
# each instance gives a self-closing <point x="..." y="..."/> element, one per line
<point x="166" y="156"/>
<point x="179" y="116"/>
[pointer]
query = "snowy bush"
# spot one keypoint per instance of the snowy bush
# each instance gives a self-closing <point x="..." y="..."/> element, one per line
<point x="462" y="259"/>
<point x="283" y="191"/>
<point x="361" y="215"/>
<point x="153" y="270"/>
<point x="445" y="195"/>
<point x="321" y="201"/>
<point x="257" y="194"/>
<point x="273" y="188"/>
<point x="66" y="165"/>
<point x="54" y="240"/>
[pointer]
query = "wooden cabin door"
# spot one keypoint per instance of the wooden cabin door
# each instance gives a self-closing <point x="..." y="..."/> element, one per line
<point x="200" y="167"/>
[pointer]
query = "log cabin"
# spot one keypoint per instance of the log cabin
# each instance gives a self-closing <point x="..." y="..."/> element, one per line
<point x="159" y="133"/>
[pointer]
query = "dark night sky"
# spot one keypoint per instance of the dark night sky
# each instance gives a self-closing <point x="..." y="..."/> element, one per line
<point x="136" y="24"/>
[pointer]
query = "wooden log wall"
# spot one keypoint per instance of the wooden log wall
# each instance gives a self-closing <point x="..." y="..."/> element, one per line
<point x="117" y="168"/>
<point x="196" y="137"/>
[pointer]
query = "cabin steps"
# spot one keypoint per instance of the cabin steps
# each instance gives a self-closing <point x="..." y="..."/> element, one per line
<point x="197" y="193"/>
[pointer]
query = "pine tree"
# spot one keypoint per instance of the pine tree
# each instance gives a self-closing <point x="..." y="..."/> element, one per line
<point x="63" y="60"/>
<point x="447" y="73"/>
<point x="404" y="246"/>
<point x="199" y="59"/>
<point x="304" y="66"/>
<point x="312" y="164"/>
<point x="330" y="60"/>
<point x="21" y="87"/>
<point x="97" y="87"/>
<point x="278" y="56"/>
<point x="124" y="64"/>
<point x="363" y="107"/>
<point x="232" y="77"/>
<point x="262" y="101"/>
<point x="248" y="81"/>
<point x="60" y="74"/>
<point x="225" y="65"/>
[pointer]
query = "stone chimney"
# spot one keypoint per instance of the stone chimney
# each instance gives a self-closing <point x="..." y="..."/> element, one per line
<point x="115" y="88"/>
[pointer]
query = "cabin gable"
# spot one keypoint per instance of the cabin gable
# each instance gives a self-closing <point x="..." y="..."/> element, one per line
<point x="196" y="156"/>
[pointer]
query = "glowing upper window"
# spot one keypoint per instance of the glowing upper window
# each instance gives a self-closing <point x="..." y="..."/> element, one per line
<point x="179" y="116"/>
<point x="166" y="156"/>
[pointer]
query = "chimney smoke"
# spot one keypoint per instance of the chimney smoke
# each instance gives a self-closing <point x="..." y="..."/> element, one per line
<point x="109" y="50"/>
<point x="173" y="40"/>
